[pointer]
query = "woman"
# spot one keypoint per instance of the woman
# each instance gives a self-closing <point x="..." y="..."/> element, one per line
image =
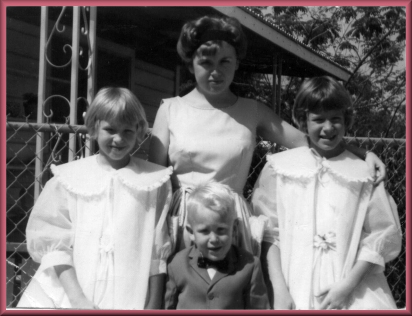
<point x="210" y="133"/>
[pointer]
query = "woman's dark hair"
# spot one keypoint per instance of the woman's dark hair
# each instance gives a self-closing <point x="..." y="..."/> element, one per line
<point x="197" y="33"/>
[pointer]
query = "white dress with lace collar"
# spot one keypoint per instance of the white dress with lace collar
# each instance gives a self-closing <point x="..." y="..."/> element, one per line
<point x="324" y="215"/>
<point x="110" y="225"/>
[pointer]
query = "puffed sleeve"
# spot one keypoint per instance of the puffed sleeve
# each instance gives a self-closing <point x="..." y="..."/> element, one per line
<point x="49" y="230"/>
<point x="381" y="236"/>
<point x="264" y="203"/>
<point x="162" y="242"/>
<point x="257" y="297"/>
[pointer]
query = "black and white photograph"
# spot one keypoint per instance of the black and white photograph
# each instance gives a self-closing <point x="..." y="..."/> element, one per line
<point x="205" y="157"/>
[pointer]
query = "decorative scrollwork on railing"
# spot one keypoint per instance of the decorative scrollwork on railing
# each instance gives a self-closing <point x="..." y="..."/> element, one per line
<point x="85" y="31"/>
<point x="82" y="25"/>
<point x="49" y="116"/>
<point x="86" y="103"/>
<point x="58" y="30"/>
<point x="83" y="99"/>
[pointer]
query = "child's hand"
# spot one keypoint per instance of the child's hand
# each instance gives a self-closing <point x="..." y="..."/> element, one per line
<point x="336" y="295"/>
<point x="376" y="167"/>
<point x="283" y="301"/>
<point x="82" y="302"/>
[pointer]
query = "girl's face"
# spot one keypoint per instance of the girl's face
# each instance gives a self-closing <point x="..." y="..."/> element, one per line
<point x="326" y="130"/>
<point x="116" y="141"/>
<point x="214" y="74"/>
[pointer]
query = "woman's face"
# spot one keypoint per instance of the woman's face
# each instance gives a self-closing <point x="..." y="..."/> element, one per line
<point x="214" y="74"/>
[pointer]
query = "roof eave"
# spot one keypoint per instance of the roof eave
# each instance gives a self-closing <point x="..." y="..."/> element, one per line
<point x="286" y="43"/>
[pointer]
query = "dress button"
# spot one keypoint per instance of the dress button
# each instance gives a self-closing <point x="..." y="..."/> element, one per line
<point x="211" y="296"/>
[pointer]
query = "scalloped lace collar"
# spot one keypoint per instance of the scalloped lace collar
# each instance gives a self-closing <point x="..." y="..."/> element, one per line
<point x="85" y="177"/>
<point x="305" y="163"/>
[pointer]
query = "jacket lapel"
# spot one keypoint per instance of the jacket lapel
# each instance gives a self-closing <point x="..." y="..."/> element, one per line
<point x="193" y="258"/>
<point x="232" y="257"/>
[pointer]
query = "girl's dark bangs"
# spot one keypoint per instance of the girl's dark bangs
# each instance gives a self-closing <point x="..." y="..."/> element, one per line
<point x="334" y="101"/>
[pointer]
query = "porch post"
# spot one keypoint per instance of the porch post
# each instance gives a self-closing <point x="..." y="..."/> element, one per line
<point x="74" y="78"/>
<point x="91" y="74"/>
<point x="41" y="91"/>
<point x="279" y="105"/>
<point x="274" y="73"/>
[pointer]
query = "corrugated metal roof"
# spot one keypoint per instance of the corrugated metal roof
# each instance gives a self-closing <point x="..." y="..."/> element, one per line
<point x="294" y="38"/>
<point x="266" y="40"/>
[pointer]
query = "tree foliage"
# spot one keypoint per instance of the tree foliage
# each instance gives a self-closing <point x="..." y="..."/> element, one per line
<point x="368" y="41"/>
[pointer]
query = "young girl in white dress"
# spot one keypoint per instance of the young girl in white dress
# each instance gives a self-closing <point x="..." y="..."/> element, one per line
<point x="210" y="133"/>
<point x="98" y="229"/>
<point x="330" y="230"/>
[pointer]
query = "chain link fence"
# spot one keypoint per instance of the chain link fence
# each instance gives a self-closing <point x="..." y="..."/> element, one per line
<point x="22" y="179"/>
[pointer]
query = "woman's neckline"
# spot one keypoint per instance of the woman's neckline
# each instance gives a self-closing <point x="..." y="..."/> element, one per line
<point x="205" y="105"/>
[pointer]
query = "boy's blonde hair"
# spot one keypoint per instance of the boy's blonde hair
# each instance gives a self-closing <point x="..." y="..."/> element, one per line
<point x="118" y="106"/>
<point x="215" y="196"/>
<point x="321" y="94"/>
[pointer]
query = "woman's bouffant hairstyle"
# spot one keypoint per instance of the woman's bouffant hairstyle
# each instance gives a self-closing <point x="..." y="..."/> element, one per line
<point x="321" y="94"/>
<point x="215" y="196"/>
<point x="118" y="106"/>
<point x="192" y="35"/>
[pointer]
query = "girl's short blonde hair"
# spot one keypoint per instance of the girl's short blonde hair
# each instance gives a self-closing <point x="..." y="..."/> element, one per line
<point x="118" y="106"/>
<point x="215" y="196"/>
<point x="321" y="94"/>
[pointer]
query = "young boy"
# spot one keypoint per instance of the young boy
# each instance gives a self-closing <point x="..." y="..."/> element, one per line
<point x="213" y="273"/>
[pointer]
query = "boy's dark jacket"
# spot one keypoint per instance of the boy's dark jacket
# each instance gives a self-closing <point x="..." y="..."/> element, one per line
<point x="240" y="287"/>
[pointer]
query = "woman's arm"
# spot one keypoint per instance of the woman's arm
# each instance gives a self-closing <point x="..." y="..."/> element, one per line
<point x="377" y="168"/>
<point x="155" y="293"/>
<point x="68" y="279"/>
<point x="272" y="128"/>
<point x="160" y="138"/>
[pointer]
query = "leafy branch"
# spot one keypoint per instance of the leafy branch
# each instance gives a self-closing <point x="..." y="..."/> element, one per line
<point x="373" y="48"/>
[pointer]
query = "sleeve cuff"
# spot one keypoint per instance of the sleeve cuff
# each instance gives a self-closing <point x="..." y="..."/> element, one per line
<point x="372" y="257"/>
<point x="56" y="258"/>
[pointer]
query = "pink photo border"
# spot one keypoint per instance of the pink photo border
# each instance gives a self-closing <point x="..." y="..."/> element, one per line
<point x="5" y="3"/>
